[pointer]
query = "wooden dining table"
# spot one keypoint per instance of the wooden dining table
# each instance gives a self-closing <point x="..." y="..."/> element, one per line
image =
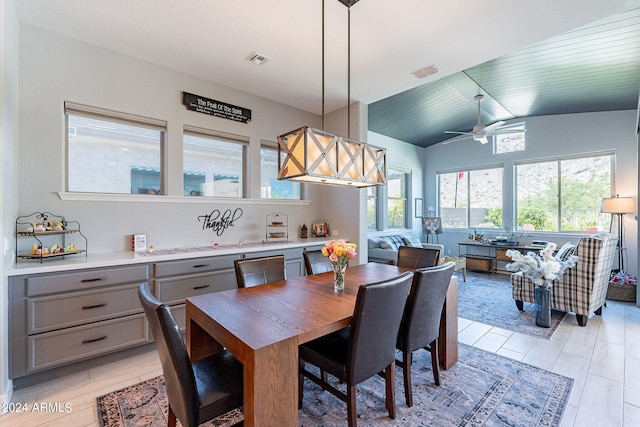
<point x="263" y="326"/>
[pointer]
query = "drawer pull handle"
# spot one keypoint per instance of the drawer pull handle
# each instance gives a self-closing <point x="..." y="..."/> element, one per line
<point x="200" y="265"/>
<point x="97" y="279"/>
<point x="94" y="340"/>
<point x="200" y="287"/>
<point x="89" y="307"/>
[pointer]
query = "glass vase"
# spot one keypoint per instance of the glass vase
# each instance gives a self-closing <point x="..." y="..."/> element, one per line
<point x="543" y="306"/>
<point x="338" y="276"/>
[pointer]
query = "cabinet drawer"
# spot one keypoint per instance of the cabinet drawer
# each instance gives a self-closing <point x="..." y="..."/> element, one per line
<point x="288" y="253"/>
<point x="57" y="348"/>
<point x="65" y="310"/>
<point x="175" y="290"/>
<point x="86" y="279"/>
<point x="189" y="266"/>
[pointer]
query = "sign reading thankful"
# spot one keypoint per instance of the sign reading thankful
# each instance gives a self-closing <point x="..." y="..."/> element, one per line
<point x="218" y="221"/>
<point x="215" y="108"/>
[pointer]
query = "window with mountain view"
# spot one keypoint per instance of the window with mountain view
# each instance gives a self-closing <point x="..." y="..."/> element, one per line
<point x="564" y="195"/>
<point x="471" y="198"/>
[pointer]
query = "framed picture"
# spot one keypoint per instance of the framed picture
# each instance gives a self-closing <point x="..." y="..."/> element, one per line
<point x="419" y="208"/>
<point x="432" y="225"/>
<point x="320" y="229"/>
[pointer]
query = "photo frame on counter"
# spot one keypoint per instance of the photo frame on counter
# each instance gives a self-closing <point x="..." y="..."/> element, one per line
<point x="320" y="229"/>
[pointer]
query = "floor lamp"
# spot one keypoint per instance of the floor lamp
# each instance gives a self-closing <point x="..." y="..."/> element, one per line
<point x="619" y="206"/>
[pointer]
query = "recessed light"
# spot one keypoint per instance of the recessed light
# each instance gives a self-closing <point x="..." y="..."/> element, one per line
<point x="425" y="72"/>
<point x="258" y="58"/>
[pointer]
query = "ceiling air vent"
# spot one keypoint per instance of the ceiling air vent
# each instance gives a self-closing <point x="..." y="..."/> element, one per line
<point x="425" y="72"/>
<point x="258" y="58"/>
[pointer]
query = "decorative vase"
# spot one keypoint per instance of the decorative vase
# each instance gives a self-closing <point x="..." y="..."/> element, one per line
<point x="543" y="305"/>
<point x="338" y="276"/>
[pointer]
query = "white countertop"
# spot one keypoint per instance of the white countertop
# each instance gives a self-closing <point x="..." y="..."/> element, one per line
<point x="80" y="261"/>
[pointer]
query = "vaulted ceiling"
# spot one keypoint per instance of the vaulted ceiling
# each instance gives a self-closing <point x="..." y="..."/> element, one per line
<point x="510" y="51"/>
<point x="593" y="68"/>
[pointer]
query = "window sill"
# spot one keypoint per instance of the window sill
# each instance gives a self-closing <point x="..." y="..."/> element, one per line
<point x="105" y="197"/>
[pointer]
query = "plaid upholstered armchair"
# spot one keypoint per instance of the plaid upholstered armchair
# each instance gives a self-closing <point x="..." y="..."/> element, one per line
<point x="582" y="289"/>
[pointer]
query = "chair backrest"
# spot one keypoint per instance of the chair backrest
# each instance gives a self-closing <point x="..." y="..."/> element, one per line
<point x="176" y="367"/>
<point x="374" y="326"/>
<point x="258" y="271"/>
<point x="417" y="257"/>
<point x="315" y="262"/>
<point x="593" y="267"/>
<point x="421" y="320"/>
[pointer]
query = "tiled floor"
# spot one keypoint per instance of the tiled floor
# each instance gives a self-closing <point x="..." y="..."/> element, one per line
<point x="603" y="358"/>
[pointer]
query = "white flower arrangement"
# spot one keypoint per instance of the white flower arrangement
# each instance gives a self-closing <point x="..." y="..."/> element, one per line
<point x="540" y="269"/>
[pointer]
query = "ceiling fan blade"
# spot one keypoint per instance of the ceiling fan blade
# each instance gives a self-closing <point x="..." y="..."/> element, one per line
<point x="449" y="141"/>
<point x="507" y="131"/>
<point x="458" y="133"/>
<point x="482" y="139"/>
<point x="492" y="127"/>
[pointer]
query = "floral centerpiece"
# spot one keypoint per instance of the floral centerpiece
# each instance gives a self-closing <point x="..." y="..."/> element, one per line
<point x="541" y="269"/>
<point x="339" y="253"/>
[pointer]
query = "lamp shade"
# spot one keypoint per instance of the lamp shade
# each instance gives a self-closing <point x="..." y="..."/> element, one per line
<point x="618" y="205"/>
<point x="313" y="155"/>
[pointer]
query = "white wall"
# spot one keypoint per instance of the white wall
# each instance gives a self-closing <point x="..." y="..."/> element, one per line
<point x="55" y="69"/>
<point x="8" y="163"/>
<point x="546" y="137"/>
<point x="406" y="156"/>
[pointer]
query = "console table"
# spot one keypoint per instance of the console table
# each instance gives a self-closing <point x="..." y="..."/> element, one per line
<point x="490" y="257"/>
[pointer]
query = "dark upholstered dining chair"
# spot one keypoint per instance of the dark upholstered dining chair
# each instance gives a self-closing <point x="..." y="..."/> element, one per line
<point x="315" y="262"/>
<point x="258" y="271"/>
<point x="199" y="391"/>
<point x="365" y="348"/>
<point x="421" y="320"/>
<point x="411" y="257"/>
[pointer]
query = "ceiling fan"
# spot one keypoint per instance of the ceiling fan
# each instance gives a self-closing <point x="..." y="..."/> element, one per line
<point x="480" y="131"/>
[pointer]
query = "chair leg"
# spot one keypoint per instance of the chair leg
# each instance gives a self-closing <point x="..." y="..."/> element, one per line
<point x="435" y="363"/>
<point x="520" y="305"/>
<point x="599" y="311"/>
<point x="351" y="405"/>
<point x="171" y="418"/>
<point x="390" y="381"/>
<point x="406" y="373"/>
<point x="582" y="319"/>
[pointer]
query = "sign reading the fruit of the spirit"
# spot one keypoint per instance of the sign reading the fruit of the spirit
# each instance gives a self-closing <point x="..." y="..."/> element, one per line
<point x="218" y="222"/>
<point x="215" y="108"/>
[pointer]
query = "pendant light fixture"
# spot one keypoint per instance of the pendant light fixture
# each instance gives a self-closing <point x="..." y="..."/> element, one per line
<point x="314" y="155"/>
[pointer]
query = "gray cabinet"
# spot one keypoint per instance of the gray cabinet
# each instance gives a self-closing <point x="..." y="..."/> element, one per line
<point x="177" y="280"/>
<point x="62" y="321"/>
<point x="60" y="318"/>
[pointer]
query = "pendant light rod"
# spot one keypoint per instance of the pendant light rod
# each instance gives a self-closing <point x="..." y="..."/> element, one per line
<point x="349" y="72"/>
<point x="322" y="127"/>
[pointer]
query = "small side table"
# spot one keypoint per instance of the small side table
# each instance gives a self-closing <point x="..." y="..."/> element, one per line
<point x="460" y="264"/>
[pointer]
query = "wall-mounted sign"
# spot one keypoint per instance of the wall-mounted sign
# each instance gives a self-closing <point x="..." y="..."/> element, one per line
<point x="218" y="222"/>
<point x="215" y="108"/>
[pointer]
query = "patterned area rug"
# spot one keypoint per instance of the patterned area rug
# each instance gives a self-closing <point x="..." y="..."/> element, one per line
<point x="482" y="389"/>
<point x="486" y="298"/>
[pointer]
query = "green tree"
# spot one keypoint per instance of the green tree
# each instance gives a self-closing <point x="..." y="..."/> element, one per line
<point x="494" y="216"/>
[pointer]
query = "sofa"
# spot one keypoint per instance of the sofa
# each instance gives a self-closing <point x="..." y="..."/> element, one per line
<point x="384" y="248"/>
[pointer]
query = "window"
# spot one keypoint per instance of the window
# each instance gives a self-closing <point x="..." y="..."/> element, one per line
<point x="372" y="207"/>
<point x="469" y="199"/>
<point x="564" y="195"/>
<point x="213" y="164"/>
<point x="270" y="186"/>
<point x="111" y="152"/>
<point x="397" y="183"/>
<point x="509" y="142"/>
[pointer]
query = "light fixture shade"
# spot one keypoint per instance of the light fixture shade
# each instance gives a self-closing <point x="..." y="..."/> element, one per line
<point x="313" y="155"/>
<point x="618" y="205"/>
